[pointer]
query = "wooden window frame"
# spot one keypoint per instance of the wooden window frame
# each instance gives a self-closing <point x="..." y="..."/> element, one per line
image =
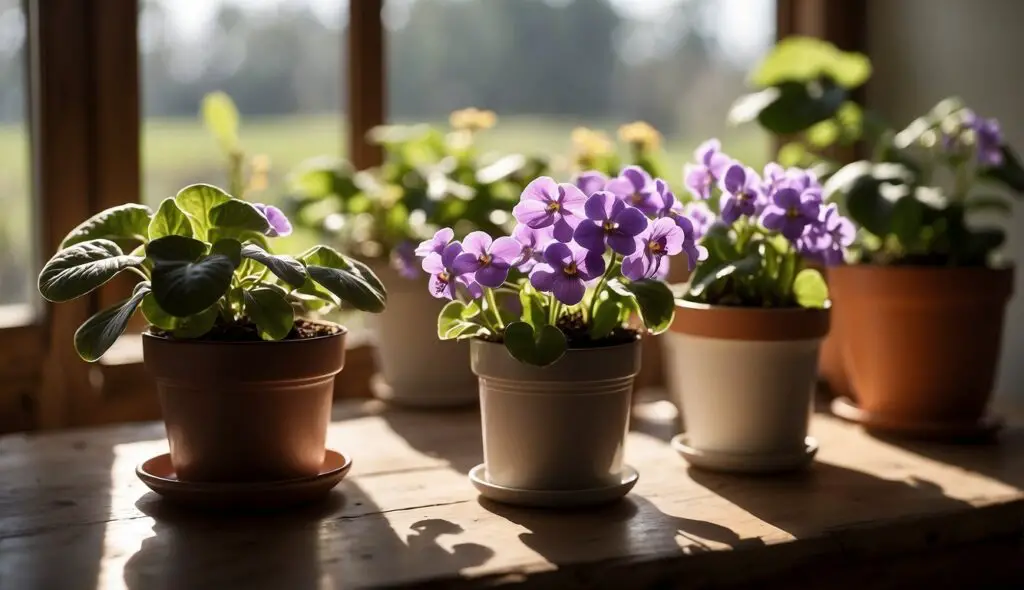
<point x="85" y="123"/>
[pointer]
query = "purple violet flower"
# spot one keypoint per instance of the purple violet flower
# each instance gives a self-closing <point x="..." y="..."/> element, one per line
<point x="636" y="187"/>
<point x="473" y="288"/>
<point x="610" y="223"/>
<point x="989" y="140"/>
<point x="533" y="242"/>
<point x="590" y="182"/>
<point x="546" y="203"/>
<point x="791" y="210"/>
<point x="489" y="259"/>
<point x="436" y="244"/>
<point x="711" y="165"/>
<point x="279" y="224"/>
<point x="700" y="216"/>
<point x="827" y="240"/>
<point x="565" y="270"/>
<point x="442" y="274"/>
<point x="403" y="259"/>
<point x="742" y="191"/>
<point x="662" y="238"/>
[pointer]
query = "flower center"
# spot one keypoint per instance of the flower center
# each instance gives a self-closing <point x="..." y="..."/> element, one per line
<point x="655" y="247"/>
<point x="553" y="207"/>
<point x="792" y="213"/>
<point x="486" y="259"/>
<point x="571" y="269"/>
<point x="609" y="226"/>
<point x="442" y="281"/>
<point x="636" y="198"/>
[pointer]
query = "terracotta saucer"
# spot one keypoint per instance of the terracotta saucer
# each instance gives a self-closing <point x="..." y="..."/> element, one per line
<point x="381" y="390"/>
<point x="746" y="463"/>
<point x="984" y="428"/>
<point x="158" y="474"/>
<point x="553" y="498"/>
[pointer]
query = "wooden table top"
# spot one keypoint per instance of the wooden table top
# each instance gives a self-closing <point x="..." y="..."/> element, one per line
<point x="73" y="515"/>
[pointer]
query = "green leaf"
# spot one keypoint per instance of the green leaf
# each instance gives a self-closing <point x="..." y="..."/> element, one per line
<point x="535" y="310"/>
<point x="197" y="200"/>
<point x="221" y="119"/>
<point x="98" y="333"/>
<point x="156" y="316"/>
<point x="169" y="220"/>
<point x="1010" y="173"/>
<point x="804" y="59"/>
<point x="906" y="218"/>
<point x="792" y="154"/>
<point x="345" y="278"/>
<point x="787" y="274"/>
<point x="654" y="302"/>
<point x="238" y="215"/>
<point x="455" y="322"/>
<point x="270" y="311"/>
<point x="988" y="203"/>
<point x="799" y="106"/>
<point x="184" y="284"/>
<point x="747" y="107"/>
<point x="228" y="247"/>
<point x="743" y="267"/>
<point x="192" y="326"/>
<point x="286" y="268"/>
<point x="77" y="270"/>
<point x="540" y="348"/>
<point x="126" y="225"/>
<point x="606" y="317"/>
<point x="810" y="288"/>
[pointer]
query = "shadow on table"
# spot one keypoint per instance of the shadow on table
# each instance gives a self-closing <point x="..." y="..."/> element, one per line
<point x="825" y="497"/>
<point x="345" y="541"/>
<point x="452" y="435"/>
<point x="632" y="526"/>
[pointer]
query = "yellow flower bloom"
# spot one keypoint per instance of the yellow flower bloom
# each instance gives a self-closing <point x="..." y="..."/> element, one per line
<point x="260" y="166"/>
<point x="589" y="143"/>
<point x="472" y="119"/>
<point x="640" y="134"/>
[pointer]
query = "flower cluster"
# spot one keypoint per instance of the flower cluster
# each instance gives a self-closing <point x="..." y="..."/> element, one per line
<point x="770" y="221"/>
<point x="569" y="236"/>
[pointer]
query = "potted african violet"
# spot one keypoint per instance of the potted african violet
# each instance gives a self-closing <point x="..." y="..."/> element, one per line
<point x="744" y="343"/>
<point x="922" y="309"/>
<point x="430" y="179"/>
<point x="556" y="370"/>
<point x="245" y="383"/>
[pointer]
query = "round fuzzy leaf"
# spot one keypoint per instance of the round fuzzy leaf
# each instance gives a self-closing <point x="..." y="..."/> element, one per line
<point x="455" y="322"/>
<point x="1010" y="172"/>
<point x="186" y="288"/>
<point x="156" y="316"/>
<point x="221" y="119"/>
<point x="196" y="201"/>
<point x="169" y="220"/>
<point x="655" y="302"/>
<point x="98" y="333"/>
<point x="192" y="326"/>
<point x="175" y="249"/>
<point x="286" y="268"/>
<point x="535" y="311"/>
<point x="540" y="348"/>
<point x="270" y="311"/>
<point x="606" y="317"/>
<point x="228" y="247"/>
<point x="810" y="288"/>
<point x="907" y="215"/>
<point x="126" y="225"/>
<point x="749" y="106"/>
<point x="77" y="270"/>
<point x="799" y="106"/>
<point x="238" y="215"/>
<point x="349" y="286"/>
<point x="369" y="276"/>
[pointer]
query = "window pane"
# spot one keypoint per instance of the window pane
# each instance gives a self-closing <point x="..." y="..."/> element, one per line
<point x="279" y="60"/>
<point x="16" y="244"/>
<point x="548" y="66"/>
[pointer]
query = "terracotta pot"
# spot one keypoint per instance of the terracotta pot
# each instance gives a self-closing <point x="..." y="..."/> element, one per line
<point x="245" y="411"/>
<point x="831" y="367"/>
<point x="921" y="344"/>
<point x="417" y="369"/>
<point x="744" y="377"/>
<point x="560" y="427"/>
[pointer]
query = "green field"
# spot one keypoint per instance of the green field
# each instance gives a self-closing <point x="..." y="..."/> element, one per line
<point x="177" y="152"/>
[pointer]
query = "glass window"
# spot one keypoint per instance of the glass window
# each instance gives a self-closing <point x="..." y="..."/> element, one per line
<point x="17" y="280"/>
<point x="548" y="66"/>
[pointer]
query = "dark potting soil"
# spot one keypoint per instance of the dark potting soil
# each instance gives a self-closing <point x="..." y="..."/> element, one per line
<point x="245" y="331"/>
<point x="578" y="335"/>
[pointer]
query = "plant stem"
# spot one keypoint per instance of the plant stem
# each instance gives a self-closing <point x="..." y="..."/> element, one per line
<point x="600" y="285"/>
<point x="492" y="305"/>
<point x="556" y="308"/>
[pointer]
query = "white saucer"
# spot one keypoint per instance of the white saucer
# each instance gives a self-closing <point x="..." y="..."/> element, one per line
<point x="746" y="463"/>
<point x="553" y="498"/>
<point x="381" y="390"/>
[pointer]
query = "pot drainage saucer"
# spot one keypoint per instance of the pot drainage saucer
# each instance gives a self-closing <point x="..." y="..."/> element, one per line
<point x="158" y="474"/>
<point x="984" y="428"/>
<point x="745" y="462"/>
<point x="553" y="498"/>
<point x="425" y="398"/>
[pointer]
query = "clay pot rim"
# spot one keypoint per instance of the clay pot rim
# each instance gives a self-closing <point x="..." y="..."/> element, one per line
<point x="754" y="324"/>
<point x="923" y="268"/>
<point x="343" y="331"/>
<point x="639" y="337"/>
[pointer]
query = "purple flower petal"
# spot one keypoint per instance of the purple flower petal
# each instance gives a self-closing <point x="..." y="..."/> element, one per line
<point x="472" y="287"/>
<point x="637" y="177"/>
<point x="705" y="150"/>
<point x="543" y="277"/>
<point x="465" y="263"/>
<point x="477" y="243"/>
<point x="558" y="254"/>
<point x="634" y="267"/>
<point x="492" y="275"/>
<point x="450" y="253"/>
<point x="590" y="182"/>
<point x="543" y="190"/>
<point x="432" y="263"/>
<point x="590" y="235"/>
<point x="787" y="198"/>
<point x="563" y="230"/>
<point x="620" y="187"/>
<point x="533" y="213"/>
<point x="698" y="180"/>
<point x="442" y="288"/>
<point x="631" y="221"/>
<point x="568" y="290"/>
<point x="590" y="264"/>
<point x="602" y="206"/>
<point x="621" y="243"/>
<point x="506" y="249"/>
<point x="735" y="179"/>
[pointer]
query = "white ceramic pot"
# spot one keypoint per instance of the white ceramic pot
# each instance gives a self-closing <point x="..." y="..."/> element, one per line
<point x="744" y="377"/>
<point x="417" y="369"/>
<point x="560" y="427"/>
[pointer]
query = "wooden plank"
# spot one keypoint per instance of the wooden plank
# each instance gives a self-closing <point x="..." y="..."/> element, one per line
<point x="407" y="516"/>
<point x="366" y="81"/>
